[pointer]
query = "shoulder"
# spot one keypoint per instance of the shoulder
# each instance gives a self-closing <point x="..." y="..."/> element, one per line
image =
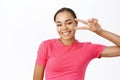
<point x="48" y="42"/>
<point x="89" y="44"/>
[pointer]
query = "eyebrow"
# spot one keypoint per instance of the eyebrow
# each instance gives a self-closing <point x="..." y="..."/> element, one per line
<point x="65" y="20"/>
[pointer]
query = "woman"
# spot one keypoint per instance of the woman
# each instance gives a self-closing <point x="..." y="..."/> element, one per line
<point x="66" y="58"/>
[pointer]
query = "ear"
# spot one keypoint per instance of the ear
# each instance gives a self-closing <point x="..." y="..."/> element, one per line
<point x="76" y="23"/>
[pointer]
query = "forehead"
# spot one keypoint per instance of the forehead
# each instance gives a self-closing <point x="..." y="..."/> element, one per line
<point x="64" y="16"/>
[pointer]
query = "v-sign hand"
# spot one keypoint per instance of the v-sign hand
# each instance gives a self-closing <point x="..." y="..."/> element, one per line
<point x="91" y="24"/>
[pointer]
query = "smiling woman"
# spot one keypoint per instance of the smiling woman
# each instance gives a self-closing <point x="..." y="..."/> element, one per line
<point x="65" y="27"/>
<point x="66" y="58"/>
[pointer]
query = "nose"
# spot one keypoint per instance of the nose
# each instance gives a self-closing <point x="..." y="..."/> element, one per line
<point x="64" y="27"/>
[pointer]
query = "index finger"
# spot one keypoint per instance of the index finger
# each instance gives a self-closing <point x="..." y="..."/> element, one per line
<point x="82" y="21"/>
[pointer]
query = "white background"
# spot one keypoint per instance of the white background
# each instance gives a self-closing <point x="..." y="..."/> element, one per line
<point x="25" y="23"/>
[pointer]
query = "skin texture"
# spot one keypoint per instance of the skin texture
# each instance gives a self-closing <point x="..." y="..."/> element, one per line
<point x="66" y="28"/>
<point x="38" y="72"/>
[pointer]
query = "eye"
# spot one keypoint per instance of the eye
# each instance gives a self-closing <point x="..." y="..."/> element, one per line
<point x="68" y="23"/>
<point x="58" y="25"/>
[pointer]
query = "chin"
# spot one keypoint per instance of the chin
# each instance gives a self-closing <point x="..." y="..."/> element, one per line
<point x="67" y="38"/>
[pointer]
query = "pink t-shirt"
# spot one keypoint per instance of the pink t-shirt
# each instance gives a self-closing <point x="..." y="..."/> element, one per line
<point x="66" y="62"/>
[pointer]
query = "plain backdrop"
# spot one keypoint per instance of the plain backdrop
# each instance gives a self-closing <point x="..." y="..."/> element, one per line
<point x="25" y="23"/>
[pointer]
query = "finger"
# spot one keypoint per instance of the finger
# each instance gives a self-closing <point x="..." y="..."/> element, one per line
<point x="81" y="28"/>
<point x="90" y="20"/>
<point x="94" y="20"/>
<point x="80" y="20"/>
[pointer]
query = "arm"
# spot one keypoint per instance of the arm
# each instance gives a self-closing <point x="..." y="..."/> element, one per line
<point x="93" y="25"/>
<point x="110" y="51"/>
<point x="38" y="72"/>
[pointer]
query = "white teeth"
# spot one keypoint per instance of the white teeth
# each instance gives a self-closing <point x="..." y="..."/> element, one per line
<point x="66" y="33"/>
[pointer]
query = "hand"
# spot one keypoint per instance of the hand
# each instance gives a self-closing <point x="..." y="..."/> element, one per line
<point x="91" y="24"/>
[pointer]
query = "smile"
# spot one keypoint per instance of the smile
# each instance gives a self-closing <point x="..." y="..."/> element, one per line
<point x="66" y="33"/>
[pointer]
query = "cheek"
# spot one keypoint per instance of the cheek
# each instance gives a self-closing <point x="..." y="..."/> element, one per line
<point x="58" y="29"/>
<point x="73" y="26"/>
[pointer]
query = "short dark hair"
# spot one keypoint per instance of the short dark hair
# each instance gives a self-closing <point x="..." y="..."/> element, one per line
<point x="65" y="9"/>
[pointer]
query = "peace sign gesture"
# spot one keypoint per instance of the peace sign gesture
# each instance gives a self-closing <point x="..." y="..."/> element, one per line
<point x="91" y="24"/>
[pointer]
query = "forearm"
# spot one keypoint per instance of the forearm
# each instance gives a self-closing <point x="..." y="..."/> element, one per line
<point x="111" y="37"/>
<point x="38" y="72"/>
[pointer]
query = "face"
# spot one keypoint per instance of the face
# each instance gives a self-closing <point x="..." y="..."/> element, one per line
<point x="65" y="25"/>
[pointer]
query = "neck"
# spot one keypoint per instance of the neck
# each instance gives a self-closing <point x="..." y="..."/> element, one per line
<point x="67" y="42"/>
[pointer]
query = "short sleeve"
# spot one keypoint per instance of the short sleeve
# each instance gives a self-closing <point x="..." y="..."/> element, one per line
<point x="42" y="55"/>
<point x="95" y="50"/>
<point x="98" y="50"/>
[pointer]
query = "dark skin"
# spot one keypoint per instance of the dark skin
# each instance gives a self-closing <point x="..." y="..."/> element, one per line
<point x="93" y="25"/>
<point x="66" y="28"/>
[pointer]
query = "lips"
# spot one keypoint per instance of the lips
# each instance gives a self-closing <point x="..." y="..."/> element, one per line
<point x="66" y="33"/>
